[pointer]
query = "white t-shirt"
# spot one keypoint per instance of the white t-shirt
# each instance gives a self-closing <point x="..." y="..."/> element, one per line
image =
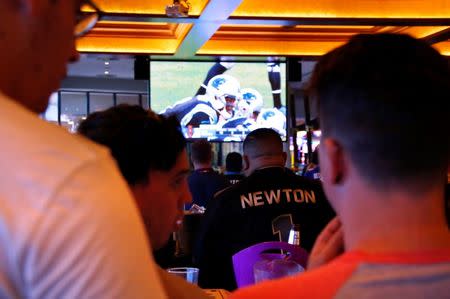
<point x="68" y="225"/>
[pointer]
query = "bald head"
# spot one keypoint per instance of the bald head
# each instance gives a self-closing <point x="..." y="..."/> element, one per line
<point x="263" y="142"/>
<point x="263" y="148"/>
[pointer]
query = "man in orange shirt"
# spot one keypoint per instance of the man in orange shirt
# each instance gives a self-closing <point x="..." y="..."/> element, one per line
<point x="380" y="173"/>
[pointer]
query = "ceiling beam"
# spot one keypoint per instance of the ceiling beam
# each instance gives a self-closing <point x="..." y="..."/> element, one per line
<point x="120" y="17"/>
<point x="340" y="21"/>
<point x="438" y="37"/>
<point x="143" y="18"/>
<point x="212" y="17"/>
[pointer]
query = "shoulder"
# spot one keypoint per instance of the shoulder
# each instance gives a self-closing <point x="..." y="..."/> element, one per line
<point x="229" y="192"/>
<point x="48" y="154"/>
<point x="321" y="283"/>
<point x="306" y="181"/>
<point x="49" y="166"/>
<point x="38" y="136"/>
<point x="222" y="179"/>
<point x="222" y="203"/>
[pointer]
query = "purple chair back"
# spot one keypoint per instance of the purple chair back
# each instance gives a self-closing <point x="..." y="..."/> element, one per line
<point x="244" y="260"/>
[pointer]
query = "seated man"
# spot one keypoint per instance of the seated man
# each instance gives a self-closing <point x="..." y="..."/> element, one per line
<point x="204" y="182"/>
<point x="248" y="109"/>
<point x="150" y="151"/>
<point x="262" y="207"/>
<point x="373" y="93"/>
<point x="233" y="167"/>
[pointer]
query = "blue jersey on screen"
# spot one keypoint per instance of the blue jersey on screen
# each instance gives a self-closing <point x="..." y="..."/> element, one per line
<point x="241" y="122"/>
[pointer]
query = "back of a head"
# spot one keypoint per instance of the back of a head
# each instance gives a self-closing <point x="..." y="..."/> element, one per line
<point x="385" y="99"/>
<point x="233" y="162"/>
<point x="139" y="140"/>
<point x="263" y="142"/>
<point x="201" y="152"/>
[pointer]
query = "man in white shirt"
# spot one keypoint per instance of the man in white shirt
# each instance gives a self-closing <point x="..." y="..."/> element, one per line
<point x="68" y="225"/>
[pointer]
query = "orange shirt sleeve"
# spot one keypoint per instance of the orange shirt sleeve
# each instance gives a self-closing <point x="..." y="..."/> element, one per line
<point x="320" y="283"/>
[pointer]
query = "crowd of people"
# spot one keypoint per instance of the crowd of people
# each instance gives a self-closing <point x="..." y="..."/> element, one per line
<point x="80" y="215"/>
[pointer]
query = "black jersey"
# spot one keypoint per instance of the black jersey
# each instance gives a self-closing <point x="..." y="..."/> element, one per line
<point x="234" y="177"/>
<point x="193" y="112"/>
<point x="260" y="208"/>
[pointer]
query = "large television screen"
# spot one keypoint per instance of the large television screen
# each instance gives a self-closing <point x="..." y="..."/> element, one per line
<point x="220" y="101"/>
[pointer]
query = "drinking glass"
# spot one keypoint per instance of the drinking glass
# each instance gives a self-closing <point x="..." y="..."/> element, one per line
<point x="187" y="273"/>
<point x="273" y="269"/>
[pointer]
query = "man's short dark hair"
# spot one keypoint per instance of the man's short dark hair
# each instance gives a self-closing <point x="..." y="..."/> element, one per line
<point x="201" y="151"/>
<point x="233" y="162"/>
<point x="385" y="98"/>
<point x="263" y="142"/>
<point x="139" y="140"/>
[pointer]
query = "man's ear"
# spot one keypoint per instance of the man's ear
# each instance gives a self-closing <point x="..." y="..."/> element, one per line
<point x="332" y="166"/>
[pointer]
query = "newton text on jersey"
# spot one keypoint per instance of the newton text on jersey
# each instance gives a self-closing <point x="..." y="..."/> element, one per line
<point x="260" y="198"/>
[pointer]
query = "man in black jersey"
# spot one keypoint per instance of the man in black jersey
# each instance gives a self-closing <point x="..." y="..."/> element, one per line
<point x="262" y="207"/>
<point x="233" y="168"/>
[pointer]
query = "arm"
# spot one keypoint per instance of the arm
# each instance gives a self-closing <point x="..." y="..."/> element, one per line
<point x="89" y="241"/>
<point x="329" y="245"/>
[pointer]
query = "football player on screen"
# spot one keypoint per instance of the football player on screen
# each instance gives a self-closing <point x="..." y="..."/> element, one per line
<point x="218" y="68"/>
<point x="214" y="107"/>
<point x="272" y="118"/>
<point x="248" y="108"/>
<point x="273" y="72"/>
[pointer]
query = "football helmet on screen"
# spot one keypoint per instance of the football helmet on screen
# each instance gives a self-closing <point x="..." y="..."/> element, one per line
<point x="272" y="118"/>
<point x="223" y="89"/>
<point x="253" y="98"/>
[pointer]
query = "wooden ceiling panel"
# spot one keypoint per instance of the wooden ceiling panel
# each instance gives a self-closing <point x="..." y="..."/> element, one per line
<point x="128" y="45"/>
<point x="268" y="48"/>
<point x="151" y="7"/>
<point x="443" y="47"/>
<point x="345" y="9"/>
<point x="421" y="32"/>
<point x="139" y="30"/>
<point x="255" y="27"/>
<point x="281" y="33"/>
<point x="128" y="37"/>
<point x="296" y="40"/>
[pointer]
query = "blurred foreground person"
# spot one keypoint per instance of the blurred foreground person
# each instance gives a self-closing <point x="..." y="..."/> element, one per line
<point x="262" y="207"/>
<point x="390" y="200"/>
<point x="151" y="153"/>
<point x="68" y="224"/>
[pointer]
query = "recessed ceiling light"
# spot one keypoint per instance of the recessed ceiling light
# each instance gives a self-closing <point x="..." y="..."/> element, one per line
<point x="106" y="72"/>
<point x="106" y="62"/>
